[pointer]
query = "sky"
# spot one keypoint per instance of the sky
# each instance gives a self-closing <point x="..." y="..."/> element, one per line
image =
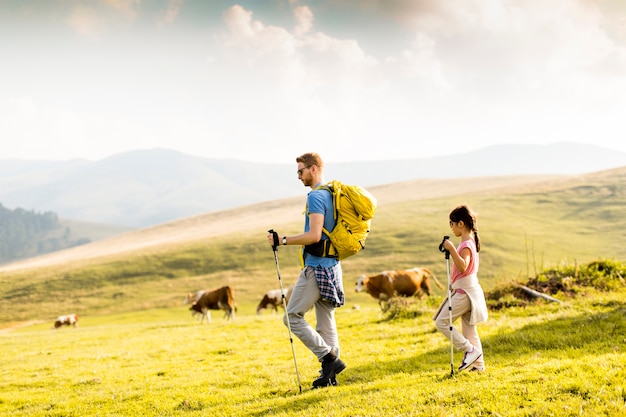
<point x="265" y="81"/>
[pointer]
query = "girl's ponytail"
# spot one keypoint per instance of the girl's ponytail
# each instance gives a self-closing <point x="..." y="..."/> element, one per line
<point x="477" y="240"/>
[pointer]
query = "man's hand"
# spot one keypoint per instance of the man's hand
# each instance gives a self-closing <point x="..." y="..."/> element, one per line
<point x="272" y="238"/>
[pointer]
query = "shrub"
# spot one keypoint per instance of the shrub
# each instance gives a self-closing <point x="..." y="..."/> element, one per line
<point x="569" y="281"/>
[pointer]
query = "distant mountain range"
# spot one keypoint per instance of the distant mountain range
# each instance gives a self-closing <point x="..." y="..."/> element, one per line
<point x="148" y="187"/>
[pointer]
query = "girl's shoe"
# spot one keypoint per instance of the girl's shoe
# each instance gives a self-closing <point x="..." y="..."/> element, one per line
<point x="469" y="358"/>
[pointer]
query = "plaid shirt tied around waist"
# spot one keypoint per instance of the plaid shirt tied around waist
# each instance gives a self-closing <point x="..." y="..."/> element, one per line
<point x="329" y="283"/>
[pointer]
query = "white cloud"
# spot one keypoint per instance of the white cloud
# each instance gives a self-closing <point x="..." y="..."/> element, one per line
<point x="302" y="83"/>
<point x="252" y="36"/>
<point x="86" y="21"/>
<point x="171" y="11"/>
<point x="450" y="76"/>
<point x="522" y="68"/>
<point x="311" y="58"/>
<point x="481" y="70"/>
<point x="304" y="20"/>
<point x="126" y="8"/>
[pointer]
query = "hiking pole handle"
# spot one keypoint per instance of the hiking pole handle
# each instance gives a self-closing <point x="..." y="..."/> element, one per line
<point x="442" y="249"/>
<point x="275" y="237"/>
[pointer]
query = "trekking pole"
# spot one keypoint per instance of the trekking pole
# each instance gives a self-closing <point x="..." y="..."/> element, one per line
<point x="282" y="295"/>
<point x="441" y="249"/>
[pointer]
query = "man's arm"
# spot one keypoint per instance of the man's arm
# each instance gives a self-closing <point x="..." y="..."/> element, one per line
<point x="316" y="223"/>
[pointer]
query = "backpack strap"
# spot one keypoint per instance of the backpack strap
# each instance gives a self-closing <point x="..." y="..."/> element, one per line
<point x="320" y="249"/>
<point x="324" y="247"/>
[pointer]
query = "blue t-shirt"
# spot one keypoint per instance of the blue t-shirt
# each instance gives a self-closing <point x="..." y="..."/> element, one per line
<point x="320" y="201"/>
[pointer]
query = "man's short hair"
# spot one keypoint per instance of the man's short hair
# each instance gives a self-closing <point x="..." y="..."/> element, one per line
<point x="311" y="158"/>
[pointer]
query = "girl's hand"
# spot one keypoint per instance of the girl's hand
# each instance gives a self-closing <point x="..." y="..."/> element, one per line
<point x="449" y="246"/>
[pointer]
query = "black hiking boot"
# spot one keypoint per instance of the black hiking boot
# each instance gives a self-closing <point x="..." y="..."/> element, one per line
<point x="331" y="366"/>
<point x="332" y="380"/>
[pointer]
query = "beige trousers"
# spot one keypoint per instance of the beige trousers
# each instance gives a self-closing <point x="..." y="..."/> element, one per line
<point x="461" y="307"/>
<point x="305" y="296"/>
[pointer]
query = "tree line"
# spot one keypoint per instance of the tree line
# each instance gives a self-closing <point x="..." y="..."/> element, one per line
<point x="26" y="233"/>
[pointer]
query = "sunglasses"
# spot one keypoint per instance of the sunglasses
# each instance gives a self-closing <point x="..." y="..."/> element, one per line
<point x="301" y="170"/>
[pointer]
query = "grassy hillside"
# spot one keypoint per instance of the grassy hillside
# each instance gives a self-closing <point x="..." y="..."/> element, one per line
<point x="543" y="360"/>
<point x="137" y="350"/>
<point x="525" y="224"/>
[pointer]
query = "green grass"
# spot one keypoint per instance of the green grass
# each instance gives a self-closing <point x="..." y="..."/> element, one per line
<point x="137" y="350"/>
<point x="545" y="359"/>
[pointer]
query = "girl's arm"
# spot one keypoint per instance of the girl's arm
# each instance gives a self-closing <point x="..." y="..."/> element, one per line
<point x="461" y="260"/>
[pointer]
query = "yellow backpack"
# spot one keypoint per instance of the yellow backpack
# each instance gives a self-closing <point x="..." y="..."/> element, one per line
<point x="354" y="208"/>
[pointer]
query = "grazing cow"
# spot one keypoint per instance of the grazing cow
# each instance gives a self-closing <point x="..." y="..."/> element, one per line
<point x="220" y="299"/>
<point x="387" y="284"/>
<point x="67" y="320"/>
<point x="272" y="299"/>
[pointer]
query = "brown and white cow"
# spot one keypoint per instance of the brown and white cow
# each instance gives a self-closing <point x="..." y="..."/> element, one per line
<point x="219" y="299"/>
<point x="272" y="299"/>
<point x="67" y="320"/>
<point x="403" y="282"/>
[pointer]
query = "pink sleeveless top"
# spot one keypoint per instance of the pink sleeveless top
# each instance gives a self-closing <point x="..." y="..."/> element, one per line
<point x="472" y="268"/>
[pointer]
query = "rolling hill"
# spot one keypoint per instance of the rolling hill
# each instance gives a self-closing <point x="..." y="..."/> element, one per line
<point x="525" y="223"/>
<point x="215" y="224"/>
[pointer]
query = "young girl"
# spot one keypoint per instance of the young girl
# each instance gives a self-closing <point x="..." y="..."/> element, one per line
<point x="468" y="299"/>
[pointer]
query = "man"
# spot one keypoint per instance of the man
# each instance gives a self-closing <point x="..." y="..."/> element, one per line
<point x="320" y="283"/>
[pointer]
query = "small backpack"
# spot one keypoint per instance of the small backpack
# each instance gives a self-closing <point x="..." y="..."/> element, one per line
<point x="354" y="209"/>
